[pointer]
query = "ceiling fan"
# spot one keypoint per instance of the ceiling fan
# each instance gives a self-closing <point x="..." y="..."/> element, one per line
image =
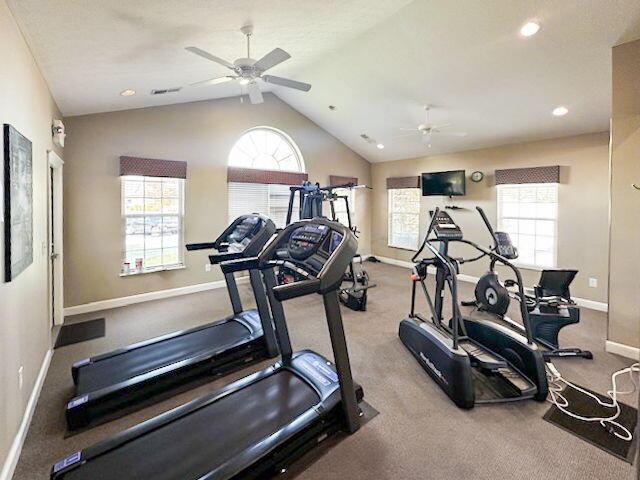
<point x="427" y="130"/>
<point x="247" y="70"/>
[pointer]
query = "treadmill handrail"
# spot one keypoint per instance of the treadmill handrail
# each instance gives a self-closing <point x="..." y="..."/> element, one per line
<point x="239" y="265"/>
<point x="217" y="258"/>
<point x="297" y="289"/>
<point x="200" y="246"/>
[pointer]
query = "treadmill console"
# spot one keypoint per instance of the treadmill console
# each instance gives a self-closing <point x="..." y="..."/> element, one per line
<point x="307" y="246"/>
<point x="305" y="241"/>
<point x="445" y="228"/>
<point x="310" y="246"/>
<point x="504" y="246"/>
<point x="244" y="232"/>
<point x="245" y="237"/>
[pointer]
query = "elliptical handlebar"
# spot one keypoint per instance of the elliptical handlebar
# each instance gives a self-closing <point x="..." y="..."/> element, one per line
<point x="449" y="263"/>
<point x="488" y="225"/>
<point x="495" y="257"/>
<point x="426" y="237"/>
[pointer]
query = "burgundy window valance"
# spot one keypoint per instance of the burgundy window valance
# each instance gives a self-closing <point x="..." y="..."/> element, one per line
<point x="340" y="180"/>
<point x="253" y="175"/>
<point x="403" y="182"/>
<point x="528" y="175"/>
<point x="152" y="167"/>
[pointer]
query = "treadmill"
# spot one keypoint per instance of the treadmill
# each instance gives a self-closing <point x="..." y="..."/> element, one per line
<point x="255" y="427"/>
<point x="107" y="383"/>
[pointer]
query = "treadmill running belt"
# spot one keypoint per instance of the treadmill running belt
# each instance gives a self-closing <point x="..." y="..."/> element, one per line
<point x="193" y="445"/>
<point x="118" y="368"/>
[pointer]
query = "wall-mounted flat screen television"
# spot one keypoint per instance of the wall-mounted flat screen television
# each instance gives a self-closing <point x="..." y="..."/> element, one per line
<point x="444" y="183"/>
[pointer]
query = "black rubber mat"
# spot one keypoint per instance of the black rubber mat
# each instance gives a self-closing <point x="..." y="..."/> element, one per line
<point x="594" y="432"/>
<point x="80" y="332"/>
<point x="303" y="463"/>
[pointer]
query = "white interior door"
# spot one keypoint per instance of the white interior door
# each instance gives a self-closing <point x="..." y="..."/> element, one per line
<point x="56" y="278"/>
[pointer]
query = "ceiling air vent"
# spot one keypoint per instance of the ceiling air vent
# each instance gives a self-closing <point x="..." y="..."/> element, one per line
<point x="164" y="91"/>
<point x="367" y="138"/>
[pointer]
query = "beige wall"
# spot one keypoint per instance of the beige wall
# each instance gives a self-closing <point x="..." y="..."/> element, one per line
<point x="25" y="103"/>
<point x="200" y="133"/>
<point x="624" y="294"/>
<point x="583" y="202"/>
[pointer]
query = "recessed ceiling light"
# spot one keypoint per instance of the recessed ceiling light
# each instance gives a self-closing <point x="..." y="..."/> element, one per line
<point x="128" y="92"/>
<point x="529" y="29"/>
<point x="380" y="146"/>
<point x="560" y="111"/>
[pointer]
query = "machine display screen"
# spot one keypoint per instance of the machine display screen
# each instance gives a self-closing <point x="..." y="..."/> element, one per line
<point x="336" y="238"/>
<point x="315" y="228"/>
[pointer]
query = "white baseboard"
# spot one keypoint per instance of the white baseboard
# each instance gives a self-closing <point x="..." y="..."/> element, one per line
<point x="591" y="304"/>
<point x="624" y="350"/>
<point x="16" y="447"/>
<point x="393" y="261"/>
<point x="146" y="297"/>
<point x="582" y="302"/>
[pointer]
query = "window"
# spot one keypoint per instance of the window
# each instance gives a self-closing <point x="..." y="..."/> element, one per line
<point x="269" y="199"/>
<point x="404" y="217"/>
<point x="266" y="149"/>
<point x="529" y="214"/>
<point x="341" y="208"/>
<point x="263" y="148"/>
<point x="152" y="218"/>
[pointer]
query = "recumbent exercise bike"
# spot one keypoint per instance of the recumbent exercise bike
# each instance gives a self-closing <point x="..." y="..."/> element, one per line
<point x="550" y="307"/>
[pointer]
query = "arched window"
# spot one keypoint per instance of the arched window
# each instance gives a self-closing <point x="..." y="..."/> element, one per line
<point x="263" y="163"/>
<point x="266" y="148"/>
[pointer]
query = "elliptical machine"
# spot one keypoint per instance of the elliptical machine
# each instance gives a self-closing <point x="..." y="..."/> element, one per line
<point x="550" y="307"/>
<point x="311" y="199"/>
<point x="473" y="360"/>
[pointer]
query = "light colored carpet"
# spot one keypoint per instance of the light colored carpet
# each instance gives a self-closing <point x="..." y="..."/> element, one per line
<point x="419" y="434"/>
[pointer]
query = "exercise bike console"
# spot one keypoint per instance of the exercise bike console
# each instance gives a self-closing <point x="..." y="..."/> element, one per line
<point x="504" y="247"/>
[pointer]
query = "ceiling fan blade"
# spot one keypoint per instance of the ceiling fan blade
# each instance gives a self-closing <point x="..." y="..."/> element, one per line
<point x="285" y="82"/>
<point x="438" y="127"/>
<point x="271" y="59"/>
<point x="214" y="81"/>
<point x="405" y="129"/>
<point x="404" y="135"/>
<point x="450" y="134"/>
<point x="255" y="95"/>
<point x="211" y="57"/>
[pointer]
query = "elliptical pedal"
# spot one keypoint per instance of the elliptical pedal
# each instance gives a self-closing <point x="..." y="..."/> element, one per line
<point x="517" y="380"/>
<point x="481" y="357"/>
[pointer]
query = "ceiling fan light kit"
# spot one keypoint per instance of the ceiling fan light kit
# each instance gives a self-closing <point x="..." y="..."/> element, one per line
<point x="247" y="70"/>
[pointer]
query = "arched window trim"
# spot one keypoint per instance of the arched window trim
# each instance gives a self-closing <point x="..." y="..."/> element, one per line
<point x="285" y="136"/>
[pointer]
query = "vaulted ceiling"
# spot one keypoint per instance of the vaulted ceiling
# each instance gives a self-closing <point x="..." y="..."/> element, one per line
<point x="378" y="63"/>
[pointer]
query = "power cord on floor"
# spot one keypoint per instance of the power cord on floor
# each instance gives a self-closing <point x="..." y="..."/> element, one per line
<point x="557" y="384"/>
